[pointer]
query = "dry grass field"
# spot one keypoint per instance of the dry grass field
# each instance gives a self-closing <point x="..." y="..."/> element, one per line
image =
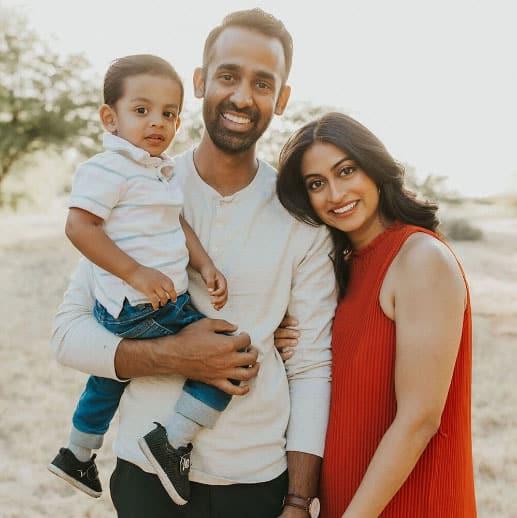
<point x="37" y="395"/>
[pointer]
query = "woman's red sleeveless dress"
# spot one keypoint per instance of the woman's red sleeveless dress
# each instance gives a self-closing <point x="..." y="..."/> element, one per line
<point x="363" y="401"/>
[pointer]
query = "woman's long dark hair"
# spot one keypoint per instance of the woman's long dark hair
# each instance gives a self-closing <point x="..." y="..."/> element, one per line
<point x="396" y="203"/>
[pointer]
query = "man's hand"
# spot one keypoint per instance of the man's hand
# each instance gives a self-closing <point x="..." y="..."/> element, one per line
<point x="219" y="358"/>
<point x="155" y="285"/>
<point x="199" y="351"/>
<point x="216" y="284"/>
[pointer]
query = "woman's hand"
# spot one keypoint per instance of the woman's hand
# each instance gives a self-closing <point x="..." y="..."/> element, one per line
<point x="286" y="337"/>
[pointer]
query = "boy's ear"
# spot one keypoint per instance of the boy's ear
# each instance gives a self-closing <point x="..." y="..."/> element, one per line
<point x="178" y="122"/>
<point x="108" y="118"/>
<point x="199" y="82"/>
<point x="283" y="98"/>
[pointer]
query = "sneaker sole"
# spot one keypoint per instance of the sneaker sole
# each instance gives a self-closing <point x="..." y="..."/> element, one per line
<point x="72" y="481"/>
<point x="164" y="479"/>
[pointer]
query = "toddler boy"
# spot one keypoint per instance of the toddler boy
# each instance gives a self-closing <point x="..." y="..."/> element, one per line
<point x="125" y="217"/>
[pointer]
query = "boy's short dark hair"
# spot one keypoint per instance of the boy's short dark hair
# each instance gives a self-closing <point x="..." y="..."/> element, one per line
<point x="255" y="20"/>
<point x="128" y="66"/>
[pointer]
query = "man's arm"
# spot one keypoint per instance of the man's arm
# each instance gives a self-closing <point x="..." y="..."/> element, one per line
<point x="304" y="473"/>
<point x="198" y="352"/>
<point x="78" y="340"/>
<point x="313" y="302"/>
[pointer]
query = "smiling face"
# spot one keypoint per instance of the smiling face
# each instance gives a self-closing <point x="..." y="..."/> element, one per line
<point x="242" y="88"/>
<point x="147" y="114"/>
<point x="341" y="193"/>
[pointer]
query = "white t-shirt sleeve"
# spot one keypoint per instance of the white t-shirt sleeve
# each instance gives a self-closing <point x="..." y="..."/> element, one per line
<point x="313" y="303"/>
<point x="96" y="188"/>
<point x="78" y="340"/>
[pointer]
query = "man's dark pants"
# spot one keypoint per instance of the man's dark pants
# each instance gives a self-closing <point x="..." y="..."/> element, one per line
<point x="137" y="494"/>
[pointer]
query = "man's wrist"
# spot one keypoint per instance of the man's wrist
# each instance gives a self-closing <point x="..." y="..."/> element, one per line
<point x="304" y="470"/>
<point x="309" y="505"/>
<point x="136" y="357"/>
<point x="163" y="355"/>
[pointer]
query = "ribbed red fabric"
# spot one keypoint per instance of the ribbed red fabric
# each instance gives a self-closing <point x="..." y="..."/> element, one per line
<point x="363" y="402"/>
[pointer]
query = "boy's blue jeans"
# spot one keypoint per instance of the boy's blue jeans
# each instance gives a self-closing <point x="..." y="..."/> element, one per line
<point x="98" y="403"/>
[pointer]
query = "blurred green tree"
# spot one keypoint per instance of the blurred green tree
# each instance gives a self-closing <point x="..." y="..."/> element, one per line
<point x="46" y="100"/>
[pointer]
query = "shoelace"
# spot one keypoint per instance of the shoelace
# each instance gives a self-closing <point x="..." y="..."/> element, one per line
<point x="185" y="463"/>
<point x="90" y="473"/>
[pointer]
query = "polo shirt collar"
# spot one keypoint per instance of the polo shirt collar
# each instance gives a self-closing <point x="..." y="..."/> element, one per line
<point x="141" y="156"/>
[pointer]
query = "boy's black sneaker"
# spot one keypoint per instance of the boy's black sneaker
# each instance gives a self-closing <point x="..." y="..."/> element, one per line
<point x="172" y="465"/>
<point x="82" y="475"/>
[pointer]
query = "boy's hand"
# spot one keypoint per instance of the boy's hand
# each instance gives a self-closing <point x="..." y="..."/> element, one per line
<point x="216" y="284"/>
<point x="156" y="286"/>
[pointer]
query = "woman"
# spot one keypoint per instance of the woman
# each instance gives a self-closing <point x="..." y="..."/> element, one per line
<point x="399" y="436"/>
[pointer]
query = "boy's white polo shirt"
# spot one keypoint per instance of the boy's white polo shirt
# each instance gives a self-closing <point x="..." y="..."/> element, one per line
<point x="140" y="199"/>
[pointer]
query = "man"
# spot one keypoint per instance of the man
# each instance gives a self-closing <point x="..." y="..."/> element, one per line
<point x="273" y="264"/>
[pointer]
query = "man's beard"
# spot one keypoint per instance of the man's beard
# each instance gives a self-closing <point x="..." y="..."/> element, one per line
<point x="231" y="141"/>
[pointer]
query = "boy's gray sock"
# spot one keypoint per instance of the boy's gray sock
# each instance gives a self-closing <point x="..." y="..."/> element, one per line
<point x="181" y="430"/>
<point x="82" y="454"/>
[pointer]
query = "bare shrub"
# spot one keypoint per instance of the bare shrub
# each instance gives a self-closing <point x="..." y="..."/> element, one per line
<point x="460" y="229"/>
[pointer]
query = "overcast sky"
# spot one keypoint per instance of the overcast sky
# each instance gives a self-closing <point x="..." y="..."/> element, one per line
<point x="435" y="80"/>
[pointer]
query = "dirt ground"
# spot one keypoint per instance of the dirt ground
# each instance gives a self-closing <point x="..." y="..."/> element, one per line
<point x="37" y="395"/>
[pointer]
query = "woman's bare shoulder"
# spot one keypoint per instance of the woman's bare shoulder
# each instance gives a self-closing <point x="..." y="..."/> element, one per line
<point x="426" y="261"/>
<point x="425" y="248"/>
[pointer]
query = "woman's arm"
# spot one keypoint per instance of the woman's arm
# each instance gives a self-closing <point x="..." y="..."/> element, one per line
<point x="429" y="300"/>
<point x="286" y="337"/>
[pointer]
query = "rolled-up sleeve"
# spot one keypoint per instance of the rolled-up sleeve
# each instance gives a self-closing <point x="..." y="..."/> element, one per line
<point x="78" y="340"/>
<point x="313" y="303"/>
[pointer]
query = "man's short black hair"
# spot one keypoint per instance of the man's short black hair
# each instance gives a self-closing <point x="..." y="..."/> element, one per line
<point x="256" y="20"/>
<point x="135" y="65"/>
